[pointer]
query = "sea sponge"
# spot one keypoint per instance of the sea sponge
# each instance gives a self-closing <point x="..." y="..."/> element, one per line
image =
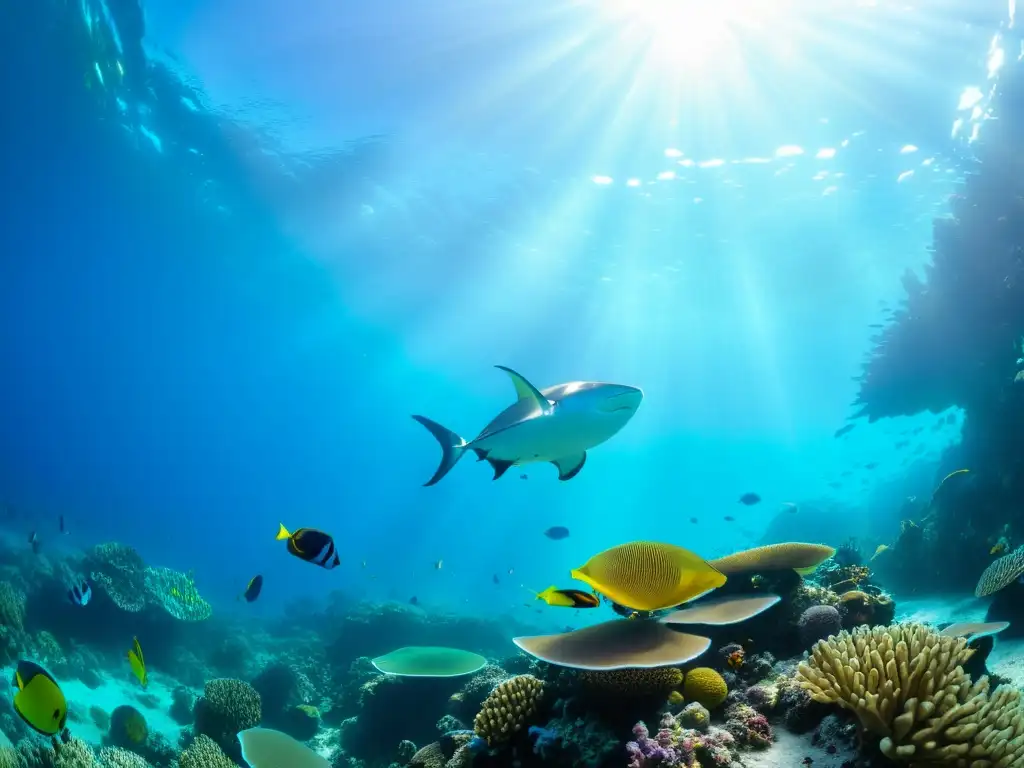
<point x="120" y="572"/>
<point x="819" y="622"/>
<point x="12" y="606"/>
<point x="705" y="686"/>
<point x="127" y="727"/>
<point x="1001" y="573"/>
<point x="508" y="708"/>
<point x="115" y="757"/>
<point x="177" y="594"/>
<point x="226" y="707"/>
<point x="204" y="753"/>
<point x="632" y="682"/>
<point x="906" y="684"/>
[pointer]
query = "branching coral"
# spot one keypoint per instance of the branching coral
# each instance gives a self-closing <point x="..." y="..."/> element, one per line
<point x="204" y="753"/>
<point x="114" y="757"/>
<point x="906" y="684"/>
<point x="12" y="607"/>
<point x="508" y="708"/>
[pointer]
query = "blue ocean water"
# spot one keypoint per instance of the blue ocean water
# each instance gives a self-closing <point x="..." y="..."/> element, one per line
<point x="243" y="242"/>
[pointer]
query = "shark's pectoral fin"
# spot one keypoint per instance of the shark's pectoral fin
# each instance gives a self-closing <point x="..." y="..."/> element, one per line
<point x="570" y="466"/>
<point x="500" y="467"/>
<point x="525" y="390"/>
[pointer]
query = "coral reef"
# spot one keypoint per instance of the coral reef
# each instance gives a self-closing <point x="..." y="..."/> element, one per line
<point x="907" y="686"/>
<point x="226" y="707"/>
<point x="508" y="708"/>
<point x="705" y="686"/>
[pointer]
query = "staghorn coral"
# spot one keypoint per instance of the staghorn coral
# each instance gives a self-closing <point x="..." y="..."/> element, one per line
<point x="632" y="682"/>
<point x="176" y="593"/>
<point x="906" y="684"/>
<point x="508" y="708"/>
<point x="114" y="757"/>
<point x="120" y="572"/>
<point x="705" y="686"/>
<point x="226" y="707"/>
<point x="204" y="753"/>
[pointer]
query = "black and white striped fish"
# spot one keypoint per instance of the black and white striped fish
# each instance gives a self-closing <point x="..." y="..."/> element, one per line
<point x="311" y="545"/>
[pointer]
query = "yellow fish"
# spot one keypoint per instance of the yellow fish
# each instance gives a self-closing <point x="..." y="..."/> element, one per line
<point x="39" y="701"/>
<point x="881" y="548"/>
<point x="568" y="598"/>
<point x="999" y="548"/>
<point x="137" y="663"/>
<point x="648" y="575"/>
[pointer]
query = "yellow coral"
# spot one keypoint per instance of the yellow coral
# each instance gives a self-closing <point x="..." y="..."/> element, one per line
<point x="705" y="686"/>
<point x="508" y="707"/>
<point x="204" y="753"/>
<point x="906" y="684"/>
<point x="675" y="698"/>
<point x="636" y="682"/>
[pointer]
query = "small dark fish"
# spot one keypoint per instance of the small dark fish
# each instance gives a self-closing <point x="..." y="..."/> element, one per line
<point x="557" y="532"/>
<point x="750" y="499"/>
<point x="495" y="579"/>
<point x="729" y="519"/>
<point x="414" y="600"/>
<point x="523" y="477"/>
<point x="62" y="528"/>
<point x="438" y="565"/>
<point x="876" y="325"/>
<point x="844" y="430"/>
<point x="693" y="520"/>
<point x="33" y="540"/>
<point x="871" y="465"/>
<point x="80" y="594"/>
<point x="311" y="545"/>
<point x="252" y="589"/>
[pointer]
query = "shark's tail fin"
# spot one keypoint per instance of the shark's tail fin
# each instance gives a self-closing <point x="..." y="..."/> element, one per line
<point x="452" y="447"/>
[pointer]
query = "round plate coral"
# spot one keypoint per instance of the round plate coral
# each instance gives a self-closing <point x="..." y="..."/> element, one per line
<point x="429" y="661"/>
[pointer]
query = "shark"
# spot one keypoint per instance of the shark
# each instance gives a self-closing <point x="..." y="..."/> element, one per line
<point x="557" y="425"/>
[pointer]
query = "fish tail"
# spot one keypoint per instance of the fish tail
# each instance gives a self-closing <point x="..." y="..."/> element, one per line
<point x="452" y="447"/>
<point x="282" y="533"/>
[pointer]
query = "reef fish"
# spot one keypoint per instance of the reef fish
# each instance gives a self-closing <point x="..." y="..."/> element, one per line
<point x="80" y="594"/>
<point x="557" y="532"/>
<point x="568" y="598"/>
<point x="557" y="425"/>
<point x="138" y="663"/>
<point x="649" y="576"/>
<point x="750" y="499"/>
<point x="311" y="545"/>
<point x="252" y="589"/>
<point x="39" y="701"/>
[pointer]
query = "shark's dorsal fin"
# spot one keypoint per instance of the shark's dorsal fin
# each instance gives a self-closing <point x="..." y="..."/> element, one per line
<point x="525" y="390"/>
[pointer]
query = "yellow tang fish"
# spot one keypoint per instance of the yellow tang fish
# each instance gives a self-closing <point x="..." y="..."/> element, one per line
<point x="648" y="575"/>
<point x="137" y="663"/>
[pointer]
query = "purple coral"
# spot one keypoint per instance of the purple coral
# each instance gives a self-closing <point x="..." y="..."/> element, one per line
<point x="748" y="726"/>
<point x="818" y="622"/>
<point x="645" y="752"/>
<point x="676" y="746"/>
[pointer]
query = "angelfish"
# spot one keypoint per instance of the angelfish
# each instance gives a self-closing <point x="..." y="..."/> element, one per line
<point x="557" y="425"/>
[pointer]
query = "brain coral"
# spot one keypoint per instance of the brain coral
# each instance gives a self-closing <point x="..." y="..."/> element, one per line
<point x="818" y="622"/>
<point x="906" y="685"/>
<point x="508" y="708"/>
<point x="705" y="686"/>
<point x="204" y="753"/>
<point x="226" y="707"/>
<point x="633" y="682"/>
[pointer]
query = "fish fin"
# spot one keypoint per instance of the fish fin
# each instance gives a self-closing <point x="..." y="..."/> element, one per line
<point x="525" y="390"/>
<point x="500" y="467"/>
<point x="570" y="466"/>
<point x="283" y="533"/>
<point x="452" y="447"/>
<point x="481" y="454"/>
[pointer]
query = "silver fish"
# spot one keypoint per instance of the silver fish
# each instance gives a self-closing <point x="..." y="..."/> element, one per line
<point x="557" y="425"/>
